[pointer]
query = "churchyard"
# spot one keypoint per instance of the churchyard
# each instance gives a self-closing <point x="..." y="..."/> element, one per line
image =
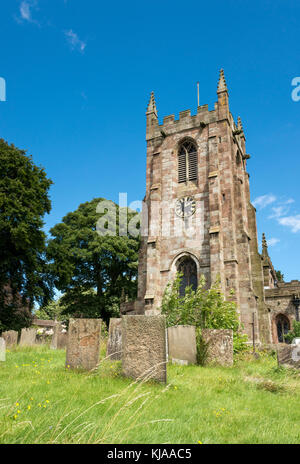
<point x="44" y="400"/>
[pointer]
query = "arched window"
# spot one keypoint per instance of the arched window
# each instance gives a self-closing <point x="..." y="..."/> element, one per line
<point x="283" y="326"/>
<point x="187" y="161"/>
<point x="188" y="268"/>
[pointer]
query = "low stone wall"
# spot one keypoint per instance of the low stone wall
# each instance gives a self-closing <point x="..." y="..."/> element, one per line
<point x="220" y="346"/>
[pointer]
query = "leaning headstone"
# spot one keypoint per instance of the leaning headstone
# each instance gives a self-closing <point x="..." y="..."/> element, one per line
<point x="28" y="337"/>
<point x="219" y="346"/>
<point x="182" y="344"/>
<point x="10" y="337"/>
<point x="2" y="349"/>
<point x="288" y="355"/>
<point x="144" y="347"/>
<point x="114" y="342"/>
<point x="83" y="343"/>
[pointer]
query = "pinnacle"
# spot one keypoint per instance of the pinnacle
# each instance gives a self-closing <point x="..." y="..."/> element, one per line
<point x="264" y="245"/>
<point x="152" y="105"/>
<point x="239" y="124"/>
<point x="222" y="87"/>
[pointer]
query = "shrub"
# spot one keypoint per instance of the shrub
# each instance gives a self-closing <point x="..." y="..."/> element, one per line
<point x="204" y="308"/>
<point x="294" y="333"/>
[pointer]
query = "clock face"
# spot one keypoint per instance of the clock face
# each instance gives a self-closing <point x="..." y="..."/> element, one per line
<point x="185" y="206"/>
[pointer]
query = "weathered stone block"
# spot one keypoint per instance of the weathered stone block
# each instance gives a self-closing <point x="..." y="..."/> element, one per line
<point x="288" y="355"/>
<point x="182" y="344"/>
<point x="220" y="346"/>
<point x="2" y="349"/>
<point x="144" y="347"/>
<point x="10" y="337"/>
<point x="28" y="337"/>
<point x="57" y="336"/>
<point x="62" y="341"/>
<point x="114" y="343"/>
<point x="83" y="343"/>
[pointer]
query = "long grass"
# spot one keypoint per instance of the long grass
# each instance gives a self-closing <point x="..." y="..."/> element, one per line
<point x="43" y="402"/>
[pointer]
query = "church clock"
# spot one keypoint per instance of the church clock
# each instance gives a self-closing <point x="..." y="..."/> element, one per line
<point x="185" y="207"/>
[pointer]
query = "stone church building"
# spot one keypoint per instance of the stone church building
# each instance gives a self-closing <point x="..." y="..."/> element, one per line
<point x="198" y="219"/>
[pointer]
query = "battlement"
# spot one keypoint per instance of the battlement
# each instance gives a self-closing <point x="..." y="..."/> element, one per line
<point x="187" y="121"/>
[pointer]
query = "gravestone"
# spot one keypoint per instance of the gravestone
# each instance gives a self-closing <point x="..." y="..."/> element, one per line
<point x="2" y="349"/>
<point x="114" y="343"/>
<point x="10" y="337"/>
<point x="83" y="343"/>
<point x="220" y="346"/>
<point x="28" y="337"/>
<point x="288" y="355"/>
<point x="144" y="347"/>
<point x="56" y="331"/>
<point x="182" y="344"/>
<point x="62" y="341"/>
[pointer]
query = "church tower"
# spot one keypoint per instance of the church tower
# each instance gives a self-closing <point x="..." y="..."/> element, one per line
<point x="198" y="218"/>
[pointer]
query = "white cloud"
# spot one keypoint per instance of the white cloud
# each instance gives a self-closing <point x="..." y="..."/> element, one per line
<point x="26" y="8"/>
<point x="291" y="221"/>
<point x="272" y="241"/>
<point x="279" y="211"/>
<point x="74" y="41"/>
<point x="263" y="201"/>
<point x="289" y="201"/>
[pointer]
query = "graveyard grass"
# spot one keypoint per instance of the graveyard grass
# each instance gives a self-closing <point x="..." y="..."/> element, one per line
<point x="41" y="401"/>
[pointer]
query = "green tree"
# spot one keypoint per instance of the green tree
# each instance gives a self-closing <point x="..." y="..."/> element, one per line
<point x="53" y="310"/>
<point x="203" y="308"/>
<point x="93" y="270"/>
<point x="24" y="200"/>
<point x="279" y="276"/>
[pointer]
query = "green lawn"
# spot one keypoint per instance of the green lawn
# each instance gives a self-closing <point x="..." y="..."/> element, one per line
<point x="42" y="402"/>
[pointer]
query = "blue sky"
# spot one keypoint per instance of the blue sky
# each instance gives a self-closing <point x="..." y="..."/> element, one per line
<point x="79" y="75"/>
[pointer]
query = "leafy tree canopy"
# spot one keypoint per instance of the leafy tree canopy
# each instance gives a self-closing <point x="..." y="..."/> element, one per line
<point x="93" y="270"/>
<point x="279" y="276"/>
<point x="24" y="201"/>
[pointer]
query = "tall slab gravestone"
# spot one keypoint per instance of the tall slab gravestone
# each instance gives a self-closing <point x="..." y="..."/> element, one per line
<point x="220" y="346"/>
<point x="2" y="349"/>
<point x="114" y="342"/>
<point x="83" y="346"/>
<point x="28" y="337"/>
<point x="182" y="344"/>
<point x="144" y="347"/>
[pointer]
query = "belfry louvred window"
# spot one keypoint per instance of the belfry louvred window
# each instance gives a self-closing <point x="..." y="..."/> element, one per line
<point x="187" y="161"/>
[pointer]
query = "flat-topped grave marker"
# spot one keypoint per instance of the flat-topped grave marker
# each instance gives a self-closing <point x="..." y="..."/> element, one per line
<point x="144" y="347"/>
<point x="83" y="346"/>
<point x="28" y="337"/>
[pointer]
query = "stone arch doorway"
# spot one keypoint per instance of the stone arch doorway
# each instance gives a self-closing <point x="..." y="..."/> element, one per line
<point x="282" y="327"/>
<point x="187" y="266"/>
